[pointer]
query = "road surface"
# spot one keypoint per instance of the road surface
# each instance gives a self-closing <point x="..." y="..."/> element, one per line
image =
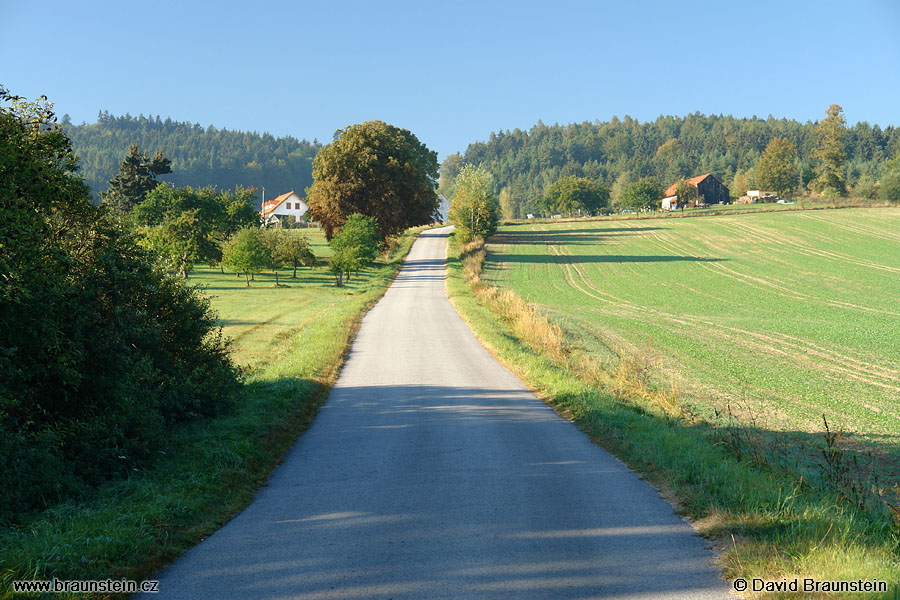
<point x="432" y="472"/>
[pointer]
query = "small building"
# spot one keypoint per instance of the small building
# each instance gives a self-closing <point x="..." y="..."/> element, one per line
<point x="762" y="196"/>
<point x="710" y="190"/>
<point x="670" y="203"/>
<point x="283" y="207"/>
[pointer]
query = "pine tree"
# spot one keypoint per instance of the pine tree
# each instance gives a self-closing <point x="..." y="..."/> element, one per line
<point x="136" y="176"/>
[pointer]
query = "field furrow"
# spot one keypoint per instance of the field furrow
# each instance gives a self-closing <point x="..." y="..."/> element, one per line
<point x="793" y="314"/>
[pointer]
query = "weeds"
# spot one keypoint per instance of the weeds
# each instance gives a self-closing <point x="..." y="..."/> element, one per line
<point x="841" y="472"/>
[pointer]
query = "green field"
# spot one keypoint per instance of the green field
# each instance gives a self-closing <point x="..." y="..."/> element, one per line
<point x="777" y="318"/>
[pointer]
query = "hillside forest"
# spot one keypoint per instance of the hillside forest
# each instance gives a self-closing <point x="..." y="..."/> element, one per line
<point x="622" y="151"/>
<point x="614" y="153"/>
<point x="200" y="156"/>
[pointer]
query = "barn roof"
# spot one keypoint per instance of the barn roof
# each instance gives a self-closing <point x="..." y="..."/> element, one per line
<point x="694" y="181"/>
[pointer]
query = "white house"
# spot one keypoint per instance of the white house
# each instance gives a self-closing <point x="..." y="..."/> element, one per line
<point x="284" y="206"/>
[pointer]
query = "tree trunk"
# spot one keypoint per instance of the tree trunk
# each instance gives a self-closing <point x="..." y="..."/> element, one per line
<point x="276" y="278"/>
<point x="247" y="278"/>
<point x="295" y="270"/>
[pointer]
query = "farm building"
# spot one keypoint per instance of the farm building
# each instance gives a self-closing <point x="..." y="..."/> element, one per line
<point x="284" y="206"/>
<point x="670" y="203"/>
<point x="709" y="190"/>
<point x="762" y="196"/>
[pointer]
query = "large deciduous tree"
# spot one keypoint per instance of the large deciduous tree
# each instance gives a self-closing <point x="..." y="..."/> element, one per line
<point x="643" y="193"/>
<point x="137" y="176"/>
<point x="776" y="169"/>
<point x="572" y="194"/>
<point x="831" y="153"/>
<point x="474" y="209"/>
<point x="377" y="170"/>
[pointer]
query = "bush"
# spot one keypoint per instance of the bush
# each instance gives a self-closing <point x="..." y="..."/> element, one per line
<point x="100" y="351"/>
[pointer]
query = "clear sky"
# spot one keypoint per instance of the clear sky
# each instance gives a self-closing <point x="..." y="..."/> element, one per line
<point x="452" y="72"/>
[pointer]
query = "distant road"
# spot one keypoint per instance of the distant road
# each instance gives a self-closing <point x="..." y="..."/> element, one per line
<point x="432" y="472"/>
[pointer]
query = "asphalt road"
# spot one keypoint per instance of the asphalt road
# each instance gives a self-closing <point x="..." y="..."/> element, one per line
<point x="432" y="472"/>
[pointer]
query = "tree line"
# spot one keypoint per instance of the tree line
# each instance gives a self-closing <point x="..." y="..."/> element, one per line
<point x="200" y="156"/>
<point x="625" y="152"/>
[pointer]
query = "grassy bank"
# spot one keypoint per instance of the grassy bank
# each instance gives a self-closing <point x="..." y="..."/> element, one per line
<point x="767" y="521"/>
<point x="291" y="341"/>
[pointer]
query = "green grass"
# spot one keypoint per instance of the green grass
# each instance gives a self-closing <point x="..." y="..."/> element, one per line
<point x="291" y="340"/>
<point x="623" y="287"/>
<point x="783" y="317"/>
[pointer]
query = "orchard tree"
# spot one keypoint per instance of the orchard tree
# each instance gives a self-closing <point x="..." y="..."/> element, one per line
<point x="246" y="252"/>
<point x="292" y="250"/>
<point x="474" y="209"/>
<point x="377" y="170"/>
<point x="178" y="241"/>
<point x="643" y="193"/>
<point x="136" y="176"/>
<point x="162" y="219"/>
<point x="359" y="239"/>
<point x="831" y="153"/>
<point x="775" y="169"/>
<point x="572" y="194"/>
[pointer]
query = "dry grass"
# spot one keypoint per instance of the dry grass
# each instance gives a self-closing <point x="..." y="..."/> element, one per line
<point x="631" y="380"/>
<point x="526" y="322"/>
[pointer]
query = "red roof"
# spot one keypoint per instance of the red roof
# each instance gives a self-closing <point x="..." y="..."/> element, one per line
<point x="270" y="205"/>
<point x="694" y="181"/>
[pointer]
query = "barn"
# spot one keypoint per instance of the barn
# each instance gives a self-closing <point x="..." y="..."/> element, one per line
<point x="710" y="190"/>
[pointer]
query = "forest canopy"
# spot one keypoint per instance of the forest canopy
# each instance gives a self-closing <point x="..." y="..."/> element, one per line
<point x="667" y="149"/>
<point x="200" y="156"/>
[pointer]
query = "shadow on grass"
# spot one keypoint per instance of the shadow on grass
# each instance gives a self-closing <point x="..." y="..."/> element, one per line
<point x="568" y="237"/>
<point x="600" y="258"/>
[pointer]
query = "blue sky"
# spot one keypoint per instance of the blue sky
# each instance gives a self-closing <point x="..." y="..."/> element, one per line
<point x="452" y="72"/>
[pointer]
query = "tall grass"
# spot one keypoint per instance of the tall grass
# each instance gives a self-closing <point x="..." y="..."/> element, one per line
<point x="766" y="522"/>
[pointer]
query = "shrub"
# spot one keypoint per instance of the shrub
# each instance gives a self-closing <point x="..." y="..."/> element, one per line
<point x="100" y="351"/>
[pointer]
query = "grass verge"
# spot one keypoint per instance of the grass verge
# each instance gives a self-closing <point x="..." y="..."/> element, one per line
<point x="767" y="522"/>
<point x="210" y="470"/>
